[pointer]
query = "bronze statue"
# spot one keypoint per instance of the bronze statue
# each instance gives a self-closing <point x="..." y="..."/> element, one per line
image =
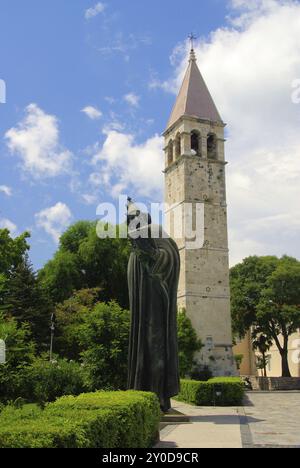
<point x="153" y="274"/>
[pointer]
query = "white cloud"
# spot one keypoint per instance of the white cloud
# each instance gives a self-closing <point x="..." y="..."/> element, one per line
<point x="250" y="67"/>
<point x="170" y="86"/>
<point x="7" y="224"/>
<point x="6" y="190"/>
<point x="114" y="125"/>
<point x="132" y="99"/>
<point x="89" y="199"/>
<point x="124" y="44"/>
<point x="36" y="141"/>
<point x="123" y="164"/>
<point x="95" y="10"/>
<point x="111" y="100"/>
<point x="54" y="220"/>
<point x="92" y="112"/>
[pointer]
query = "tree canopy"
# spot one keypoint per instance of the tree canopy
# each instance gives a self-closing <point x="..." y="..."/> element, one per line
<point x="26" y="301"/>
<point x="83" y="261"/>
<point x="70" y="315"/>
<point x="19" y="347"/>
<point x="11" y="251"/>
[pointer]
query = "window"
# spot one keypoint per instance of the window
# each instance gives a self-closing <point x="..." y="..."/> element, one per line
<point x="196" y="143"/>
<point x="170" y="152"/>
<point x="209" y="344"/>
<point x="212" y="147"/>
<point x="178" y="146"/>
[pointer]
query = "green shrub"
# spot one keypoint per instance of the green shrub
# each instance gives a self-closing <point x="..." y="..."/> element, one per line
<point x="202" y="374"/>
<point x="188" y="343"/>
<point x="221" y="391"/>
<point x="11" y="383"/>
<point x="104" y="337"/>
<point x="42" y="381"/>
<point x="19" y="355"/>
<point x="46" y="381"/>
<point x="96" y="420"/>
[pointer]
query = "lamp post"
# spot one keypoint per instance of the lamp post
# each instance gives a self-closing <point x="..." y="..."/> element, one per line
<point x="52" y="328"/>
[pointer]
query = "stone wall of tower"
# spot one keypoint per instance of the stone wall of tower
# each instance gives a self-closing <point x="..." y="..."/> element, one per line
<point x="204" y="282"/>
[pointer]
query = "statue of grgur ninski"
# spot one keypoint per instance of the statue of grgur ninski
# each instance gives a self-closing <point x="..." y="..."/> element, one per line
<point x="153" y="275"/>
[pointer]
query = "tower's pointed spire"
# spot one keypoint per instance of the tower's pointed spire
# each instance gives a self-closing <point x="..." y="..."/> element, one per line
<point x="194" y="99"/>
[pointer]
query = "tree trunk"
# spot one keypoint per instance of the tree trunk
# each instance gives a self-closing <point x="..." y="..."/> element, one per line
<point x="285" y="359"/>
<point x="284" y="353"/>
<point x="265" y="365"/>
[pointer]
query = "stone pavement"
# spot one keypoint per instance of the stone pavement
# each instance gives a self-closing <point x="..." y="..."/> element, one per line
<point x="208" y="428"/>
<point x="273" y="419"/>
<point x="268" y="419"/>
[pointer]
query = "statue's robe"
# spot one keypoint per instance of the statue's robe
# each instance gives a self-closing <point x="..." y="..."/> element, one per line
<point x="153" y="274"/>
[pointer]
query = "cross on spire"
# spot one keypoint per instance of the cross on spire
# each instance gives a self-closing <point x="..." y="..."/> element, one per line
<point x="192" y="38"/>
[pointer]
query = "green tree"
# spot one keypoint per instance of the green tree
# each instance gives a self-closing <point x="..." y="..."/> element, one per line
<point x="26" y="301"/>
<point x="262" y="343"/>
<point x="238" y="359"/>
<point x="85" y="261"/>
<point x="247" y="281"/>
<point x="19" y="354"/>
<point x="11" y="251"/>
<point x="70" y="314"/>
<point x="278" y="311"/>
<point x="3" y="280"/>
<point x="71" y="240"/>
<point x="104" y="337"/>
<point x="188" y="343"/>
<point x="19" y="347"/>
<point x="266" y="294"/>
<point x="262" y="363"/>
<point x="61" y="276"/>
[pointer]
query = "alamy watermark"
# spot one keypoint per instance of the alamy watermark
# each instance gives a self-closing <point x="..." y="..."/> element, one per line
<point x="183" y="222"/>
<point x="2" y="92"/>
<point x="296" y="91"/>
<point x="296" y="352"/>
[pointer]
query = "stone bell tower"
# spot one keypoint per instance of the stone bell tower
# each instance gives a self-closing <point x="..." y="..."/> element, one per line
<point x="195" y="175"/>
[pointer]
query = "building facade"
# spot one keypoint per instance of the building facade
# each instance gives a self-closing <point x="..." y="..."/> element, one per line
<point x="195" y="183"/>
<point x="274" y="368"/>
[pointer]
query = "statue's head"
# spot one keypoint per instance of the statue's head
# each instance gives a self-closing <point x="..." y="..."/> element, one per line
<point x="136" y="217"/>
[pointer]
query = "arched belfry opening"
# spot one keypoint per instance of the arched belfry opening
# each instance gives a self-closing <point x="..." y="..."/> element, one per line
<point x="170" y="153"/>
<point x="178" y="146"/>
<point x="196" y="143"/>
<point x="212" y="146"/>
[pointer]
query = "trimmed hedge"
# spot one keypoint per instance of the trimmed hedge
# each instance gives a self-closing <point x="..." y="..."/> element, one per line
<point x="95" y="420"/>
<point x="219" y="391"/>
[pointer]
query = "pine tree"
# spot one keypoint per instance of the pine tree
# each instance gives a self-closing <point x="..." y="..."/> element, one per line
<point x="25" y="300"/>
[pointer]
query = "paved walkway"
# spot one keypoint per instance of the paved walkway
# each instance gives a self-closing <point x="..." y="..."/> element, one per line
<point x="268" y="419"/>
<point x="208" y="428"/>
<point x="273" y="419"/>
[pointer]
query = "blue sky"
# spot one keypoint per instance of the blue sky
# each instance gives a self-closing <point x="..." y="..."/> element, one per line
<point x="88" y="79"/>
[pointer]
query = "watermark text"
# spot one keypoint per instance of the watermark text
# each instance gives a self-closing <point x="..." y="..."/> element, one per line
<point x="296" y="93"/>
<point x="296" y="353"/>
<point x="184" y="222"/>
<point x="2" y="92"/>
